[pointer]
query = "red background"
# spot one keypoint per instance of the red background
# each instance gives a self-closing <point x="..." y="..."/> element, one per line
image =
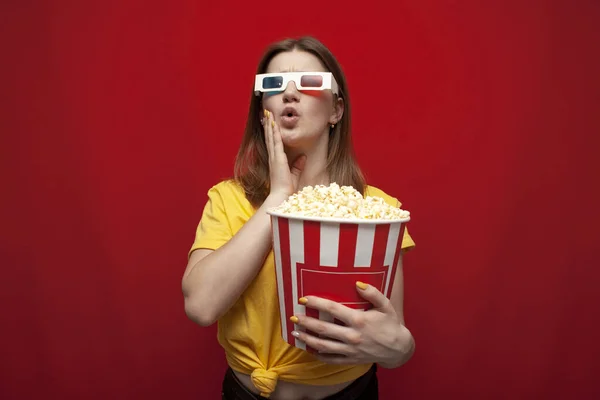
<point x="117" y="117"/>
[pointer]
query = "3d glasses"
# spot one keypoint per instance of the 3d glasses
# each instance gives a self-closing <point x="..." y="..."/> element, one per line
<point x="277" y="82"/>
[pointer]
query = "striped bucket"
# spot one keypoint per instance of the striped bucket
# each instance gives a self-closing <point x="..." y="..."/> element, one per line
<point x="325" y="257"/>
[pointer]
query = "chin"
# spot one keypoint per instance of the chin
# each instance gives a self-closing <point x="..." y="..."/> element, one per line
<point x="291" y="137"/>
<point x="296" y="138"/>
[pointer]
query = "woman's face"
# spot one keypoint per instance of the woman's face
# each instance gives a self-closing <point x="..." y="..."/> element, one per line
<point x="304" y="117"/>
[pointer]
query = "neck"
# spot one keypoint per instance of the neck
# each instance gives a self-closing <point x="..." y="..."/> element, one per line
<point x="315" y="169"/>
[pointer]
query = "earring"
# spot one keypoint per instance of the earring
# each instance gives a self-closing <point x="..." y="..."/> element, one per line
<point x="332" y="126"/>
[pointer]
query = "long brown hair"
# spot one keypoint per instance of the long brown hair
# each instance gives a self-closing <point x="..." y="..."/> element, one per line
<point x="252" y="161"/>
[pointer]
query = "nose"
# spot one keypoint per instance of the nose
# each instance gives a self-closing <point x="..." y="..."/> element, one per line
<point x="291" y="93"/>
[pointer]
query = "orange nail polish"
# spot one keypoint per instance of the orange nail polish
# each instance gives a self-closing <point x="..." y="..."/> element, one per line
<point x="294" y="319"/>
<point x="302" y="300"/>
<point x="361" y="285"/>
<point x="273" y="123"/>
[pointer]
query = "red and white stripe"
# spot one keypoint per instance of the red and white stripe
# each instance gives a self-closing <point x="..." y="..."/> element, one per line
<point x="325" y="259"/>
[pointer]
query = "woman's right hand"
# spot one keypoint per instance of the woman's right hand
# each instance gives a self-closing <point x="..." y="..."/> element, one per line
<point x="284" y="177"/>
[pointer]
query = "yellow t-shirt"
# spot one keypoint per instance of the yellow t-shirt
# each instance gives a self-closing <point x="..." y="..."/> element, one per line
<point x="250" y="332"/>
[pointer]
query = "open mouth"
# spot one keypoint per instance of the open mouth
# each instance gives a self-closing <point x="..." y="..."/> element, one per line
<point x="289" y="117"/>
<point x="289" y="112"/>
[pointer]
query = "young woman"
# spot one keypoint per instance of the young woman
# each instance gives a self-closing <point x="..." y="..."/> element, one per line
<point x="297" y="134"/>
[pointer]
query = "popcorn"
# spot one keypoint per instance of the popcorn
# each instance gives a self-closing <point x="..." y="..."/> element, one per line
<point x="343" y="202"/>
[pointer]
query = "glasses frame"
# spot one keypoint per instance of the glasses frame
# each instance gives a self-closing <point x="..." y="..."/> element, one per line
<point x="329" y="82"/>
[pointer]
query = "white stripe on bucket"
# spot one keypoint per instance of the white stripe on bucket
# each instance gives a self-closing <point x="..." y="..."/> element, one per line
<point x="364" y="246"/>
<point x="330" y="236"/>
<point x="279" y="274"/>
<point x="390" y="251"/>
<point x="297" y="256"/>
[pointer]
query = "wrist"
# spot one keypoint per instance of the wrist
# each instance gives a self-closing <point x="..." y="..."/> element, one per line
<point x="405" y="348"/>
<point x="275" y="199"/>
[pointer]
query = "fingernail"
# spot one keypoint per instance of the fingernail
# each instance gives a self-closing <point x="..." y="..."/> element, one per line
<point x="361" y="285"/>
<point x="273" y="123"/>
<point x="265" y="112"/>
<point x="294" y="319"/>
<point x="302" y="300"/>
<point x="268" y="114"/>
<point x="295" y="334"/>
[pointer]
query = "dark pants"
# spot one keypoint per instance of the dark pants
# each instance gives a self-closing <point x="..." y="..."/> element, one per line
<point x="364" y="388"/>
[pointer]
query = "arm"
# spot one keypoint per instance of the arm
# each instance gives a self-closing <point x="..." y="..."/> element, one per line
<point x="214" y="280"/>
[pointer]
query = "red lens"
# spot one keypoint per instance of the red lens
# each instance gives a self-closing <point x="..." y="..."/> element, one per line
<point x="311" y="81"/>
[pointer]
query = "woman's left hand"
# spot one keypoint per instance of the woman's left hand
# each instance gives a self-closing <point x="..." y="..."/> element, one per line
<point x="373" y="336"/>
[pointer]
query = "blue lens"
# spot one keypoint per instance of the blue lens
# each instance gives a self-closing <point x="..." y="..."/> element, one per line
<point x="272" y="82"/>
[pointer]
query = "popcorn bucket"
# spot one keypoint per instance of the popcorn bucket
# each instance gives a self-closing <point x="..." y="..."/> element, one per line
<point x="325" y="257"/>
